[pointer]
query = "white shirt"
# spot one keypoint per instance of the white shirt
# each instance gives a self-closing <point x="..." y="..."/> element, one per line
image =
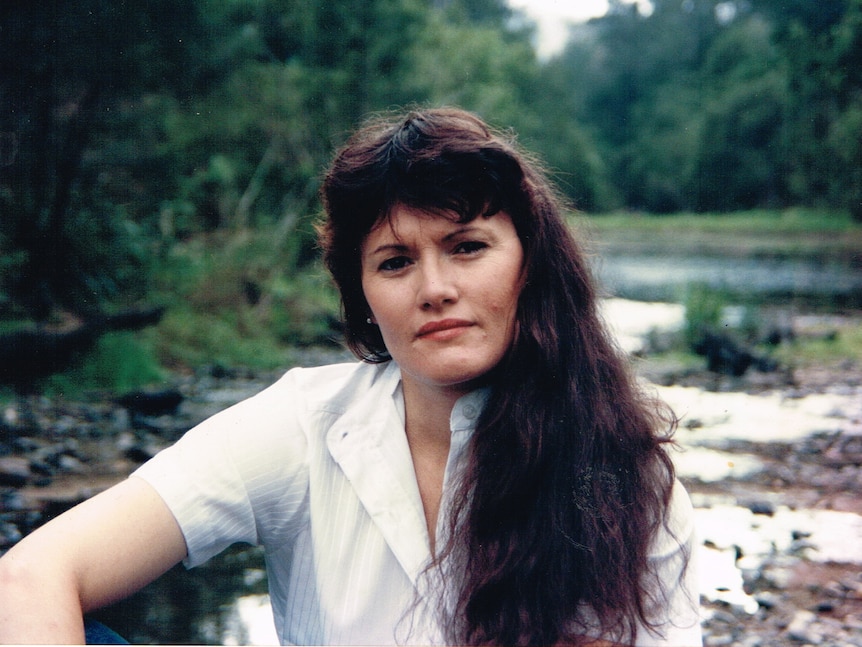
<point x="317" y="469"/>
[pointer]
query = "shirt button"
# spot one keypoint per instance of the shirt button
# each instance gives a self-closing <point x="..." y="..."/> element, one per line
<point x="470" y="411"/>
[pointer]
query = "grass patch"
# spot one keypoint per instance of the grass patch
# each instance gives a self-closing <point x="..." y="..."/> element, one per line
<point x="824" y="346"/>
<point x="780" y="221"/>
<point x="703" y="312"/>
<point x="240" y="300"/>
<point x="120" y="362"/>
<point x="786" y="233"/>
<point x="189" y="338"/>
<point x="232" y="299"/>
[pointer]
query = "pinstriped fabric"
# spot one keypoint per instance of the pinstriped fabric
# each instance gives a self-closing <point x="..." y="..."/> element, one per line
<point x="317" y="470"/>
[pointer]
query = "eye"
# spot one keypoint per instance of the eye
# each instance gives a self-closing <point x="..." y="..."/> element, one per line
<point x="394" y="264"/>
<point x="470" y="247"/>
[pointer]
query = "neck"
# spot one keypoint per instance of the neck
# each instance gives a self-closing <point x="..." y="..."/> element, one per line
<point x="427" y="412"/>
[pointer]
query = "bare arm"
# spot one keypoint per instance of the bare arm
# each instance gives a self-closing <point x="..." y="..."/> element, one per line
<point x="96" y="553"/>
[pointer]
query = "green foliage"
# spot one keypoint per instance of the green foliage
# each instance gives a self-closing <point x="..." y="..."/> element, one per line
<point x="70" y="78"/>
<point x="738" y="159"/>
<point x="239" y="299"/>
<point x="720" y="106"/>
<point x="779" y="222"/>
<point x="171" y="151"/>
<point x="845" y="140"/>
<point x="304" y="310"/>
<point x="119" y="363"/>
<point x="190" y="338"/>
<point x="704" y="307"/>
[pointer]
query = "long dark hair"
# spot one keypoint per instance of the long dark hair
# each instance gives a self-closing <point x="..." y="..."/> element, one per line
<point x="567" y="481"/>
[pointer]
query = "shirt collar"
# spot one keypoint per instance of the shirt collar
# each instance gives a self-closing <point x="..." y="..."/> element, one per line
<point x="467" y="408"/>
<point x="369" y="444"/>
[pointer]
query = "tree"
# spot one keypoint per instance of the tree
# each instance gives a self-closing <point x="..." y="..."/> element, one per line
<point x="635" y="78"/>
<point x="65" y="71"/>
<point x="740" y="155"/>
<point x="720" y="105"/>
<point x="844" y="133"/>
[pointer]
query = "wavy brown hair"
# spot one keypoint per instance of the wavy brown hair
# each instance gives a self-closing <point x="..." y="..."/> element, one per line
<point x="567" y="479"/>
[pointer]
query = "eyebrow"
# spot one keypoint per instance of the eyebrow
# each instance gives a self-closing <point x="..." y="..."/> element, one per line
<point x="397" y="247"/>
<point x="394" y="247"/>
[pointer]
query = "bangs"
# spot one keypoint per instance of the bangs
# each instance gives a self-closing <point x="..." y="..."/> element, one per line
<point x="466" y="185"/>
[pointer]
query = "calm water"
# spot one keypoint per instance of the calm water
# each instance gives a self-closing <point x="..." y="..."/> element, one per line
<point x="651" y="278"/>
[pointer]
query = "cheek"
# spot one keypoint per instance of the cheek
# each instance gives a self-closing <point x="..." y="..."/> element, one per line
<point x="501" y="308"/>
<point x="504" y="303"/>
<point x="371" y="294"/>
<point x="384" y="310"/>
<point x="507" y="290"/>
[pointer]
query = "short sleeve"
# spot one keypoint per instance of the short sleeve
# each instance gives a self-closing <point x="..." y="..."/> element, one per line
<point x="239" y="476"/>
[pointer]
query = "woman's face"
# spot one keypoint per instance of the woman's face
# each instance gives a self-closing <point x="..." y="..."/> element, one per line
<point x="443" y="293"/>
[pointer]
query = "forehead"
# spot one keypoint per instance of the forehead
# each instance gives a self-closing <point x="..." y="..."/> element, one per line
<point x="404" y="222"/>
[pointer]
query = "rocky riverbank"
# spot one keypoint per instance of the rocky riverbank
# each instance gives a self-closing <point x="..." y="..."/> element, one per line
<point x="55" y="453"/>
<point x="787" y="512"/>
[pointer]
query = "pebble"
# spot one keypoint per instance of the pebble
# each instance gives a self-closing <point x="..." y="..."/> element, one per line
<point x="9" y="534"/>
<point x="762" y="507"/>
<point x="767" y="599"/>
<point x="803" y="628"/>
<point x="11" y="501"/>
<point x="14" y="471"/>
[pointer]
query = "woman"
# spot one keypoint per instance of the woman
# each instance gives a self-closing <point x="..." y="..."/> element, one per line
<point x="490" y="474"/>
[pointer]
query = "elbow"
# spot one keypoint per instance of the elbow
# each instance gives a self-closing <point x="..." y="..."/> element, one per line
<point x="37" y="604"/>
<point x="29" y="574"/>
<point x="14" y="573"/>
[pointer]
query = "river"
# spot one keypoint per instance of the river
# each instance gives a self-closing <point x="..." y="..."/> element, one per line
<point x="665" y="278"/>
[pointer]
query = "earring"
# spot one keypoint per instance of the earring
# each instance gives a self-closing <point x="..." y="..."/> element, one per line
<point x="368" y="321"/>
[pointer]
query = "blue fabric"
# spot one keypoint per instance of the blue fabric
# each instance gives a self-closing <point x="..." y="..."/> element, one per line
<point x="95" y="633"/>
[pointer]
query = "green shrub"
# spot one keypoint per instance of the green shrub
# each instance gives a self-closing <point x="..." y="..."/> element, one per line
<point x="704" y="307"/>
<point x="240" y="299"/>
<point x="190" y="338"/>
<point x="120" y="362"/>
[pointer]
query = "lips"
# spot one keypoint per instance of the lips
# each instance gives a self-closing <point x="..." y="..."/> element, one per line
<point x="441" y="326"/>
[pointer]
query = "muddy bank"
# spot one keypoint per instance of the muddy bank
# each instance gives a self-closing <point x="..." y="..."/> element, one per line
<point x="773" y="462"/>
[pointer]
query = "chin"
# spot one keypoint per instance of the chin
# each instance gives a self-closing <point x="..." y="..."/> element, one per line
<point x="456" y="373"/>
<point x="465" y="382"/>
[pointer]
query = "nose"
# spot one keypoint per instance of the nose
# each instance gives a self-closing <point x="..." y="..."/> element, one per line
<point x="437" y="285"/>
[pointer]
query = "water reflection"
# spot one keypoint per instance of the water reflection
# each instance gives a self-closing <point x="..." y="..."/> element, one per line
<point x="196" y="606"/>
<point x="817" y="535"/>
<point x="250" y="622"/>
<point x="663" y="278"/>
<point x="631" y="321"/>
<point x="710" y="465"/>
<point x="715" y="419"/>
